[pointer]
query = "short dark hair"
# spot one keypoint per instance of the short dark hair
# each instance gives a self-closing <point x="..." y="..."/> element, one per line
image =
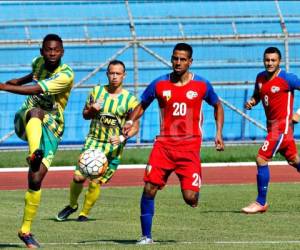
<point x="52" y="37"/>
<point x="115" y="62"/>
<point x="272" y="50"/>
<point x="185" y="47"/>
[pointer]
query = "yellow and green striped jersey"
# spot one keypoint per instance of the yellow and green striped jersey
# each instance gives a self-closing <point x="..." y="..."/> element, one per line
<point x="110" y="119"/>
<point x="56" y="87"/>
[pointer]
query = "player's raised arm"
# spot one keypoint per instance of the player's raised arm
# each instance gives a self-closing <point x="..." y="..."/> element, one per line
<point x="219" y="119"/>
<point x="20" y="81"/>
<point x="91" y="110"/>
<point x="22" y="90"/>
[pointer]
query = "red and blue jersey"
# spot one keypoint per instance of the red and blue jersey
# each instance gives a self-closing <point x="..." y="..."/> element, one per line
<point x="180" y="110"/>
<point x="277" y="96"/>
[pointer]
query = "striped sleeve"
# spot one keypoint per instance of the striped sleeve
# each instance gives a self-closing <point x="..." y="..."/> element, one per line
<point x="58" y="83"/>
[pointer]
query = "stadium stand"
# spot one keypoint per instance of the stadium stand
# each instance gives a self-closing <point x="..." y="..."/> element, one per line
<point x="228" y="38"/>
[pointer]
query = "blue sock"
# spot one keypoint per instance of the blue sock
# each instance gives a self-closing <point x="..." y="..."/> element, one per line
<point x="263" y="178"/>
<point x="147" y="212"/>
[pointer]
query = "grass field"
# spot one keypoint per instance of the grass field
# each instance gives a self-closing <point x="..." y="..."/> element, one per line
<point x="215" y="224"/>
<point x="114" y="222"/>
<point x="138" y="156"/>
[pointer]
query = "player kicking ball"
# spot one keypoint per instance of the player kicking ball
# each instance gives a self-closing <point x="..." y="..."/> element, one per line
<point x="274" y="87"/>
<point x="40" y="120"/>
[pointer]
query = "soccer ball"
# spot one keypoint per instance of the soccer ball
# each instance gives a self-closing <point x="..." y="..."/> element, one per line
<point x="92" y="163"/>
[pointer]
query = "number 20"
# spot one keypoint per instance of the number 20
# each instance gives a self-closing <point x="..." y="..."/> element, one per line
<point x="179" y="109"/>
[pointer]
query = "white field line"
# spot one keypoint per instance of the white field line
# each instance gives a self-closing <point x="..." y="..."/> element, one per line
<point x="142" y="166"/>
<point x="112" y="242"/>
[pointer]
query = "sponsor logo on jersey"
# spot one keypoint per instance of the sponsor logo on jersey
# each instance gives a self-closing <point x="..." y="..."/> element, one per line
<point x="167" y="94"/>
<point x="275" y="89"/>
<point x="191" y="94"/>
<point x="108" y="120"/>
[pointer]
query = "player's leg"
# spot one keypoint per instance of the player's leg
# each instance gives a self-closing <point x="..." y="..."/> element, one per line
<point x="32" y="202"/>
<point x="263" y="179"/>
<point x="147" y="205"/>
<point x="94" y="190"/>
<point x="91" y="196"/>
<point x="190" y="197"/>
<point x="290" y="152"/>
<point x="32" y="197"/>
<point x="28" y="127"/>
<point x="269" y="148"/>
<point x="76" y="187"/>
<point x="49" y="144"/>
<point x="189" y="172"/>
<point x="295" y="162"/>
<point x="155" y="178"/>
<point x="33" y="128"/>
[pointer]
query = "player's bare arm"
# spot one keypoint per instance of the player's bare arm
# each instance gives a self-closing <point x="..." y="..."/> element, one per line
<point x="219" y="118"/>
<point x="20" y="81"/>
<point x="91" y="110"/>
<point x="133" y="117"/>
<point x="254" y="100"/>
<point x="116" y="140"/>
<point x="22" y="90"/>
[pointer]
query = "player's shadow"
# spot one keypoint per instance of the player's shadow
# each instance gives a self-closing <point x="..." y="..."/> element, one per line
<point x="221" y="211"/>
<point x="69" y="220"/>
<point x="5" y="245"/>
<point x="123" y="242"/>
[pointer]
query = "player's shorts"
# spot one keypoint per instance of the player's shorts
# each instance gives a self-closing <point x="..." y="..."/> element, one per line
<point x="49" y="142"/>
<point x="113" y="164"/>
<point x="162" y="162"/>
<point x="278" y="142"/>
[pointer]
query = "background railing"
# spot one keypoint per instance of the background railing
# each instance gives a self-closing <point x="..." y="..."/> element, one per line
<point x="228" y="38"/>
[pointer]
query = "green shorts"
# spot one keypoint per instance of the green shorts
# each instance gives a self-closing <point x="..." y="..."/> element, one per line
<point x="49" y="142"/>
<point x="113" y="164"/>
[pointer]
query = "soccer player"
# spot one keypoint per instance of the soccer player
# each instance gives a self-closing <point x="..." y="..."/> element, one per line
<point x="108" y="108"/>
<point x="40" y="120"/>
<point x="275" y="89"/>
<point x="180" y="96"/>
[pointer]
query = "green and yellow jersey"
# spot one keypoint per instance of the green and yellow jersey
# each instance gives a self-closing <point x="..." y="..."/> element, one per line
<point x="57" y="86"/>
<point x="109" y="121"/>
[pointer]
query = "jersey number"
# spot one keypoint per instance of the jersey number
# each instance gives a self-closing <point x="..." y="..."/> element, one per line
<point x="197" y="180"/>
<point x="266" y="100"/>
<point x="265" y="146"/>
<point x="179" y="109"/>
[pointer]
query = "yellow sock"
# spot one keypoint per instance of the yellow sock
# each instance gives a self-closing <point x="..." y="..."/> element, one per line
<point x="32" y="202"/>
<point x="75" y="191"/>
<point x="91" y="197"/>
<point x="34" y="133"/>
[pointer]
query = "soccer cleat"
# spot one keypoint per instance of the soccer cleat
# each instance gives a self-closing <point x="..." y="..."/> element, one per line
<point x="28" y="239"/>
<point x="255" y="208"/>
<point x="34" y="161"/>
<point x="144" y="241"/>
<point x="82" y="218"/>
<point x="65" y="213"/>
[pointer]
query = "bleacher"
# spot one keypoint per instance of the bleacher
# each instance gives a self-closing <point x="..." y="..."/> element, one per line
<point x="228" y="38"/>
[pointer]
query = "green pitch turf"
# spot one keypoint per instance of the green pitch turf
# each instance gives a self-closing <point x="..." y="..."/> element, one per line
<point x="239" y="153"/>
<point x="114" y="221"/>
